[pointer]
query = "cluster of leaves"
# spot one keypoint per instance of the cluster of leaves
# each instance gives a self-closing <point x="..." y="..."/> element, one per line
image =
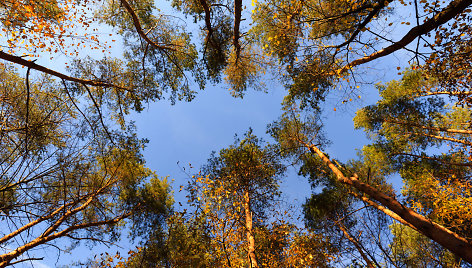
<point x="33" y="27"/>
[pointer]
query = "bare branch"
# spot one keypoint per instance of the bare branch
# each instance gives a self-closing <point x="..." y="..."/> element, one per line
<point x="377" y="8"/>
<point x="443" y="129"/>
<point x="5" y="259"/>
<point x="355" y="243"/>
<point x="32" y="65"/>
<point x="467" y="164"/>
<point x="27" y="259"/>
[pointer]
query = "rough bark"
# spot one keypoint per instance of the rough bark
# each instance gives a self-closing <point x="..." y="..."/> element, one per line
<point x="237" y="21"/>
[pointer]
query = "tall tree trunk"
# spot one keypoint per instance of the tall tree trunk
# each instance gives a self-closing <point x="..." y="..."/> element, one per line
<point x="250" y="236"/>
<point x="443" y="236"/>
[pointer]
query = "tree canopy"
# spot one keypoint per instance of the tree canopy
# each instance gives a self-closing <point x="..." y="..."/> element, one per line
<point x="72" y="164"/>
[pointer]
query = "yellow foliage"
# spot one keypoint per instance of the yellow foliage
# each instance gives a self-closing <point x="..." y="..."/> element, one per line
<point x="46" y="24"/>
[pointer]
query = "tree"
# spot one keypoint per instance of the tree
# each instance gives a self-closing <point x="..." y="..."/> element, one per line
<point x="249" y="174"/>
<point x="320" y="44"/>
<point x="407" y="243"/>
<point x="226" y="48"/>
<point x="63" y="173"/>
<point x="154" y="62"/>
<point x="296" y="138"/>
<point x="408" y="124"/>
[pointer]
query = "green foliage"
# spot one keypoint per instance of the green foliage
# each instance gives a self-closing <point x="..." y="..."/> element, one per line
<point x="66" y="172"/>
<point x="244" y="71"/>
<point x="184" y="243"/>
<point x="423" y="137"/>
<point x="149" y="70"/>
<point x="311" y="40"/>
<point x="412" y="249"/>
<point x="293" y="130"/>
<point x="246" y="166"/>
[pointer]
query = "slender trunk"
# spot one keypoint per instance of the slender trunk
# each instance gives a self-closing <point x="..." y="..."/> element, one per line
<point x="207" y="11"/>
<point x="443" y="236"/>
<point x="384" y="210"/>
<point x="250" y="236"/>
<point x="238" y="6"/>
<point x="355" y="243"/>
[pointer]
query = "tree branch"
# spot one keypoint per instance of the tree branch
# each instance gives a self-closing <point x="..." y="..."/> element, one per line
<point x="381" y="4"/>
<point x="443" y="129"/>
<point x="139" y="28"/>
<point x="5" y="259"/>
<point x="383" y="209"/>
<point x="454" y="8"/>
<point x="206" y="9"/>
<point x="32" y="65"/>
<point x="447" y="139"/>
<point x="356" y="244"/>
<point x="467" y="164"/>
<point x="28" y="259"/>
